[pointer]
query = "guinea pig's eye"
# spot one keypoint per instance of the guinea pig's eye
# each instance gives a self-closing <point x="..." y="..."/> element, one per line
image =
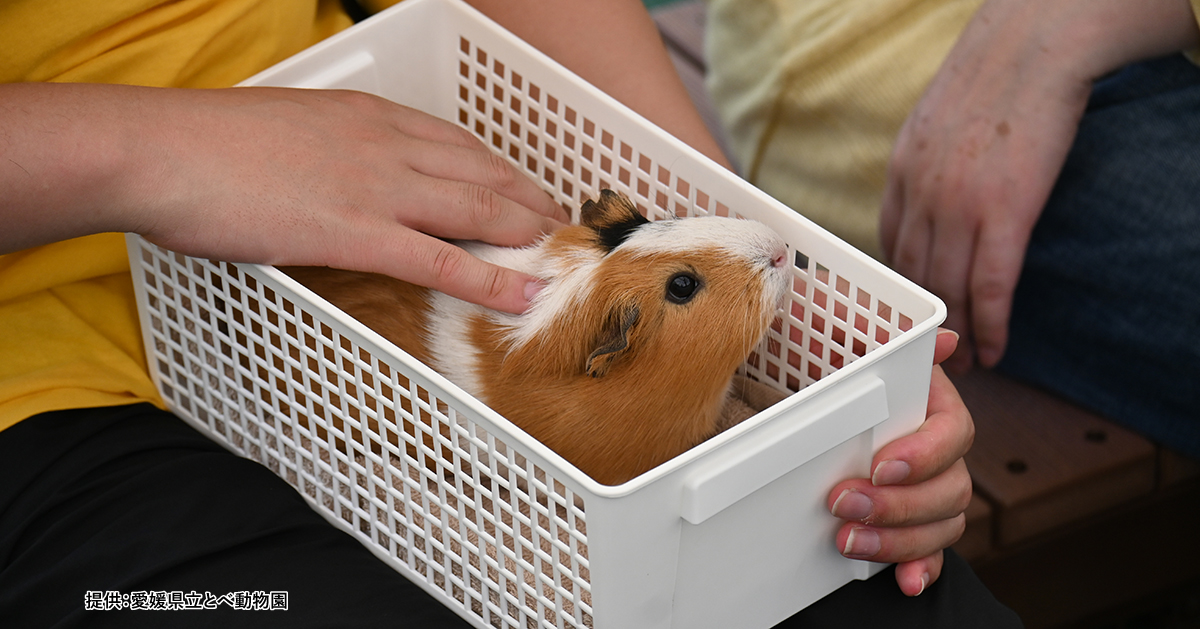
<point x="682" y="287"/>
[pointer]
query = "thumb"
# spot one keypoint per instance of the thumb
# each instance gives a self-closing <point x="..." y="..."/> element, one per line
<point x="944" y="346"/>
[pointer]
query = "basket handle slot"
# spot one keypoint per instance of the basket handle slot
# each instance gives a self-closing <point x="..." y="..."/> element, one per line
<point x="823" y="424"/>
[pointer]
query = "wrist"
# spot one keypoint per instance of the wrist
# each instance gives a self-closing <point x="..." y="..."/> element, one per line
<point x="68" y="162"/>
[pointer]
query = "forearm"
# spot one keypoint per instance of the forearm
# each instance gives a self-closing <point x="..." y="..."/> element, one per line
<point x="1088" y="38"/>
<point x="614" y="45"/>
<point x="1125" y="31"/>
<point x="66" y="161"/>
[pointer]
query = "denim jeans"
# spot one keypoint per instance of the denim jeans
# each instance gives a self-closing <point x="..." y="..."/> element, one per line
<point x="1107" y="309"/>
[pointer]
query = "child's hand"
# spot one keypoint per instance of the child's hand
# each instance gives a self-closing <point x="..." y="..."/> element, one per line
<point x="912" y="506"/>
<point x="271" y="175"/>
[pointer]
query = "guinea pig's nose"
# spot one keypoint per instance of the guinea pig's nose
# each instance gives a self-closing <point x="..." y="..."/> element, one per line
<point x="779" y="260"/>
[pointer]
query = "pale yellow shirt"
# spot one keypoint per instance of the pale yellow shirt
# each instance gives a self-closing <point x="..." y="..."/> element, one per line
<point x="813" y="94"/>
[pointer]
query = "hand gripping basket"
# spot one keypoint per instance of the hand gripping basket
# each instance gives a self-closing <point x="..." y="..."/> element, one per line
<point x="733" y="533"/>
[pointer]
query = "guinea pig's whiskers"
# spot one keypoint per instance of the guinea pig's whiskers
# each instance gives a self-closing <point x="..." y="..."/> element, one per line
<point x="748" y="339"/>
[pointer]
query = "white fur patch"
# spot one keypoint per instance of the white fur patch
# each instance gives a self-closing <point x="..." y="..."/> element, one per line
<point x="749" y="240"/>
<point x="566" y="280"/>
<point x="452" y="354"/>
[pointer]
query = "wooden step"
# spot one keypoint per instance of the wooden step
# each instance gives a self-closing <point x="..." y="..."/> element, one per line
<point x="1043" y="462"/>
<point x="1174" y="468"/>
<point x="1123" y="568"/>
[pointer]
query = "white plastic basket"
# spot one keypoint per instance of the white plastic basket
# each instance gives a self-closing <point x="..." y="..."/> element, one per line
<point x="733" y="533"/>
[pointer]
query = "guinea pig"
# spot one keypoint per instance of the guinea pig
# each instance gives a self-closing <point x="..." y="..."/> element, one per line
<point x="625" y="358"/>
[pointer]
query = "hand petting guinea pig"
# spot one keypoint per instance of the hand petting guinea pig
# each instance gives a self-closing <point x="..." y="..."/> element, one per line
<point x="624" y="360"/>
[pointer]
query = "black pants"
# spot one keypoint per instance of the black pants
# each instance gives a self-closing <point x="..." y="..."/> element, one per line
<point x="131" y="499"/>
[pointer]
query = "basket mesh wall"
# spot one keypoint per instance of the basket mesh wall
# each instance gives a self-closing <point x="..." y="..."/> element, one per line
<point x="397" y="463"/>
<point x="829" y="322"/>
<point x="383" y="457"/>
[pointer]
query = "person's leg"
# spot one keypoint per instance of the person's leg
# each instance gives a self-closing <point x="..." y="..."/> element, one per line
<point x="957" y="599"/>
<point x="131" y="499"/>
<point x="1107" y="310"/>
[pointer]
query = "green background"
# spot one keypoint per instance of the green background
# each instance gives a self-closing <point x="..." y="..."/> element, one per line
<point x="650" y="4"/>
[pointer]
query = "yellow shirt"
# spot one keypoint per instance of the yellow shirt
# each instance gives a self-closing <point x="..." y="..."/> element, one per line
<point x="69" y="333"/>
<point x="813" y="94"/>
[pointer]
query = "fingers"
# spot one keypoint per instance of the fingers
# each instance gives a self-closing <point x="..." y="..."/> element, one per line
<point x="420" y="259"/>
<point x="944" y="438"/>
<point x="460" y="210"/>
<point x="944" y="345"/>
<point x="436" y="177"/>
<point x="952" y="249"/>
<point x="919" y="478"/>
<point x="419" y="124"/>
<point x="904" y="228"/>
<point x="916" y="575"/>
<point x="884" y="545"/>
<point x="911" y="249"/>
<point x="993" y="282"/>
<point x="355" y="182"/>
<point x="940" y="498"/>
<point x="488" y="171"/>
<point x="450" y="152"/>
<point x="437" y="181"/>
<point x="935" y="254"/>
<point x="913" y="505"/>
<point x="458" y="189"/>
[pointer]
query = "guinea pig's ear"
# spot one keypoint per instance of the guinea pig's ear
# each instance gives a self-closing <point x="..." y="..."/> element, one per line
<point x="614" y="340"/>
<point x="613" y="217"/>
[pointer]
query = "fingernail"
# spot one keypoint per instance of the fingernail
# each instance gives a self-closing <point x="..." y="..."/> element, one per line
<point x="532" y="288"/>
<point x="852" y="505"/>
<point x="924" y="583"/>
<point x="890" y="473"/>
<point x="862" y="543"/>
<point x="948" y="331"/>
